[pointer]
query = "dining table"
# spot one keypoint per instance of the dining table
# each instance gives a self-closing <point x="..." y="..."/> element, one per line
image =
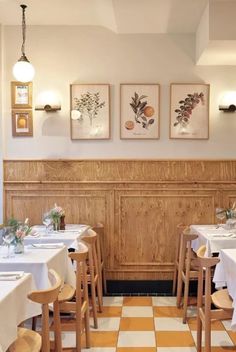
<point x="38" y="259"/>
<point x="70" y="236"/>
<point x="225" y="275"/>
<point x="15" y="307"/>
<point x="214" y="237"/>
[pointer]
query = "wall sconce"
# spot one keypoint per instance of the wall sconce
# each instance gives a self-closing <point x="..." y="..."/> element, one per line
<point x="227" y="108"/>
<point x="48" y="101"/>
<point x="227" y="102"/>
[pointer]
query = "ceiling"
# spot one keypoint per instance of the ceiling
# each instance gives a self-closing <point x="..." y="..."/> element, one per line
<point x="121" y="16"/>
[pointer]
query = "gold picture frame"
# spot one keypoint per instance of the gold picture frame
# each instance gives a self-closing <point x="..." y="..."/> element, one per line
<point x="139" y="111"/>
<point x="90" y="111"/>
<point x="22" y="123"/>
<point x="21" y="95"/>
<point x="189" y="111"/>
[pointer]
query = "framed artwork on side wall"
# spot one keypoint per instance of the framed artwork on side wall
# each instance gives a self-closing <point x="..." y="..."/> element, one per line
<point x="22" y="123"/>
<point x="139" y="111"/>
<point x="189" y="111"/>
<point x="90" y="111"/>
<point x="21" y="95"/>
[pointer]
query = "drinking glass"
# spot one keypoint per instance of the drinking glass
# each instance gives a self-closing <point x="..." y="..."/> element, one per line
<point x="220" y="214"/>
<point x="47" y="221"/>
<point x="8" y="237"/>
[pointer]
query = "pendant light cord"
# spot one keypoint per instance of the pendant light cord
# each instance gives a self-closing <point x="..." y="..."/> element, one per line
<point x="23" y="30"/>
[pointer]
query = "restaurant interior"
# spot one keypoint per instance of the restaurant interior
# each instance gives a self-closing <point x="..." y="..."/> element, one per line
<point x="117" y="228"/>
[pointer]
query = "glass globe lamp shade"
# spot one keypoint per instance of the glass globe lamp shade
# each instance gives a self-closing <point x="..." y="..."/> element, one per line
<point x="23" y="71"/>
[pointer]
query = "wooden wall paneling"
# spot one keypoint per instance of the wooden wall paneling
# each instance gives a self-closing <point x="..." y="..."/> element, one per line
<point x="140" y="203"/>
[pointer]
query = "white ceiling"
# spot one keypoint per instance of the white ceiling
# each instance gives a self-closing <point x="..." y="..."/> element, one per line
<point x="121" y="16"/>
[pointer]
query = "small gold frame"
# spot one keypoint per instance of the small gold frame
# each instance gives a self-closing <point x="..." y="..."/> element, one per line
<point x="21" y="95"/>
<point x="22" y="123"/>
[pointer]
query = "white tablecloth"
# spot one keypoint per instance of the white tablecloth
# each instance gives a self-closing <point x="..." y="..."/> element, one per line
<point x="225" y="275"/>
<point x="69" y="237"/>
<point x="38" y="262"/>
<point x="215" y="238"/>
<point x="15" y="307"/>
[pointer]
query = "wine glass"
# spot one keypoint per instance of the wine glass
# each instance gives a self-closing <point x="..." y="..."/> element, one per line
<point x="8" y="237"/>
<point x="220" y="214"/>
<point x="47" y="221"/>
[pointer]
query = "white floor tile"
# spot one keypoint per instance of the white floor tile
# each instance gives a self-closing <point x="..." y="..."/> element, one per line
<point x="176" y="349"/>
<point x="227" y="324"/>
<point x="192" y="311"/>
<point x="137" y="311"/>
<point x="68" y="339"/>
<point x="170" y="324"/>
<point x="136" y="339"/>
<point x="164" y="301"/>
<point x="99" y="349"/>
<point x="106" y="324"/>
<point x="218" y="338"/>
<point x="112" y="301"/>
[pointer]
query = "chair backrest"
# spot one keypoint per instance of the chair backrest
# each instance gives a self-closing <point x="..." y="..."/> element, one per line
<point x="186" y="239"/>
<point x="204" y="273"/>
<point x="81" y="277"/>
<point x="45" y="297"/>
<point x="90" y="238"/>
<point x="180" y="228"/>
<point x="99" y="229"/>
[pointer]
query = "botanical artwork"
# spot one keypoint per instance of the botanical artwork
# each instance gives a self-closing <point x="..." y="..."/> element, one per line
<point x="189" y="117"/>
<point x="139" y="111"/>
<point x="22" y="123"/>
<point x="90" y="111"/>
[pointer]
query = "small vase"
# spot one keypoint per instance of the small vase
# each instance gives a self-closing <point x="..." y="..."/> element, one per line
<point x="62" y="223"/>
<point x="56" y="224"/>
<point x="19" y="247"/>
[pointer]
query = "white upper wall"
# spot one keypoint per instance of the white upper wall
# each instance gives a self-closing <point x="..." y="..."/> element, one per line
<point x="63" y="55"/>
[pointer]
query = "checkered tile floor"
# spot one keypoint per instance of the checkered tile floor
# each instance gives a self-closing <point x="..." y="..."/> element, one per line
<point x="148" y="324"/>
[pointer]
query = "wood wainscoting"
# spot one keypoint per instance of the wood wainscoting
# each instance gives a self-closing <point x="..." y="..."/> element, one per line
<point x="140" y="203"/>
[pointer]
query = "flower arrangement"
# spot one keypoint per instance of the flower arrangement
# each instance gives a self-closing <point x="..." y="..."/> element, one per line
<point x="56" y="214"/>
<point x="228" y="213"/>
<point x="20" y="231"/>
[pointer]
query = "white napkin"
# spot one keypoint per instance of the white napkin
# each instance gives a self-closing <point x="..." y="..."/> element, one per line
<point x="232" y="235"/>
<point x="48" y="245"/>
<point x="10" y="275"/>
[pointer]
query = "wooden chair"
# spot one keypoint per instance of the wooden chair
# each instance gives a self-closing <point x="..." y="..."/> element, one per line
<point x="180" y="229"/>
<point x="220" y="299"/>
<point x="81" y="304"/>
<point x="31" y="341"/>
<point x="93" y="275"/>
<point x="99" y="229"/>
<point x="188" y="269"/>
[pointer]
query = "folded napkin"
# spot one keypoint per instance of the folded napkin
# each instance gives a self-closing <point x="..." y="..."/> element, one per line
<point x="33" y="234"/>
<point x="48" y="245"/>
<point x="231" y="235"/>
<point x="10" y="275"/>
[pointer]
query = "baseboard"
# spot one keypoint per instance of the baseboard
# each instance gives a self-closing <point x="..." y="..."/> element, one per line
<point x="143" y="288"/>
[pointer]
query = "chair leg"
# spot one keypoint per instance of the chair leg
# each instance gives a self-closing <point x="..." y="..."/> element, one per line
<point x="94" y="308"/>
<point x="87" y="328"/>
<point x="104" y="282"/>
<point x="179" y="289"/>
<point x="199" y="334"/>
<point x="174" y="281"/>
<point x="185" y="304"/>
<point x="207" y="335"/>
<point x="99" y="294"/>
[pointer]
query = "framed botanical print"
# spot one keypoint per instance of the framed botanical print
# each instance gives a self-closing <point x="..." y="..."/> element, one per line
<point x="22" y="123"/>
<point x="189" y="111"/>
<point x="21" y="95"/>
<point x="139" y="111"/>
<point x="90" y="111"/>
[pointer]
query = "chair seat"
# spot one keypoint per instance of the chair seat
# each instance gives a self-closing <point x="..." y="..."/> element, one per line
<point x="221" y="299"/>
<point x="27" y="341"/>
<point x="67" y="293"/>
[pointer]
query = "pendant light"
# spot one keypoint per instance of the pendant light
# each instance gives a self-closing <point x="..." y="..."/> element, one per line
<point x="23" y="71"/>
